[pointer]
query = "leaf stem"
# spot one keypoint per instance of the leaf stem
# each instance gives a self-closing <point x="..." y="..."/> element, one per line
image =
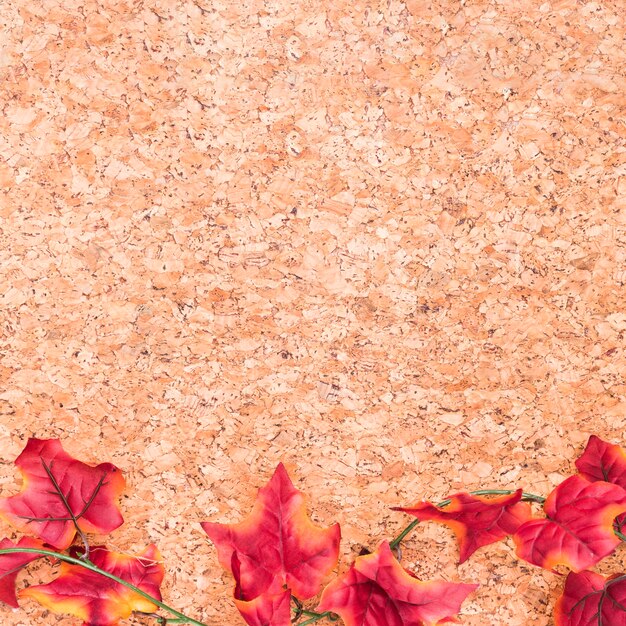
<point x="73" y="518"/>
<point x="617" y="527"/>
<point x="182" y="618"/>
<point x="310" y="613"/>
<point x="316" y="617"/>
<point x="299" y="610"/>
<point x="528" y="497"/>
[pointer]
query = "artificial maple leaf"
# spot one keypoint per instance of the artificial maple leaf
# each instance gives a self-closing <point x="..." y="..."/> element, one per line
<point x="97" y="600"/>
<point x="11" y="564"/>
<point x="59" y="493"/>
<point x="592" y="600"/>
<point x="578" y="531"/>
<point x="378" y="591"/>
<point x="603" y="461"/>
<point x="267" y="609"/>
<point x="475" y="520"/>
<point x="277" y="546"/>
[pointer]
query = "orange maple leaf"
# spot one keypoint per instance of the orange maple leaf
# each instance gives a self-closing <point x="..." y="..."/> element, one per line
<point x="475" y="520"/>
<point x="97" y="600"/>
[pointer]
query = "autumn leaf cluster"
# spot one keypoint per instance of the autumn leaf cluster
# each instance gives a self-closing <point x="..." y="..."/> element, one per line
<point x="280" y="561"/>
<point x="277" y="553"/>
<point x="60" y="499"/>
<point x="581" y="525"/>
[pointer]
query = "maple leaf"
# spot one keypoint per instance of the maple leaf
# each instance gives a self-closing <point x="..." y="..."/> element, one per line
<point x="475" y="520"/>
<point x="97" y="600"/>
<point x="578" y="531"/>
<point x="61" y="495"/>
<point x="267" y="609"/>
<point x="603" y="461"/>
<point x="277" y="546"/>
<point x="11" y="564"/>
<point x="592" y="600"/>
<point x="378" y="591"/>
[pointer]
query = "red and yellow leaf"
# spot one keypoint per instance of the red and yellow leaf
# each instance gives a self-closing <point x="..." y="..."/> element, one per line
<point x="267" y="609"/>
<point x="277" y="545"/>
<point x="378" y="591"/>
<point x="603" y="461"/>
<point x="11" y="564"/>
<point x="592" y="600"/>
<point x="475" y="520"/>
<point x="97" y="600"/>
<point x="578" y="531"/>
<point x="57" y="487"/>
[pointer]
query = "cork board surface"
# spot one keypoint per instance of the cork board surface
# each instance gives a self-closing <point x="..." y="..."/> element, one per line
<point x="382" y="242"/>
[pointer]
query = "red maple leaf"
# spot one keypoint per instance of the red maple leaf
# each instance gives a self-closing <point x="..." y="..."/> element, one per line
<point x="475" y="520"/>
<point x="378" y="591"/>
<point x="578" y="531"/>
<point x="61" y="495"/>
<point x="277" y="545"/>
<point x="603" y="461"/>
<point x="97" y="600"/>
<point x="11" y="564"/>
<point x="266" y="609"/>
<point x="592" y="600"/>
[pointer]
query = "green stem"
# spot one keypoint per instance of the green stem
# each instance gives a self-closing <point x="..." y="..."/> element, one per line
<point x="308" y="613"/>
<point x="316" y="617"/>
<point x="299" y="610"/>
<point x="396" y="542"/>
<point x="182" y="618"/>
<point x="528" y="497"/>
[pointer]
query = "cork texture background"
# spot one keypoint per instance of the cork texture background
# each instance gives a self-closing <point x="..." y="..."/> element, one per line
<point x="382" y="242"/>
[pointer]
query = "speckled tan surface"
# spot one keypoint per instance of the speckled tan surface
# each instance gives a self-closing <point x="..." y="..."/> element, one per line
<point x="383" y="242"/>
